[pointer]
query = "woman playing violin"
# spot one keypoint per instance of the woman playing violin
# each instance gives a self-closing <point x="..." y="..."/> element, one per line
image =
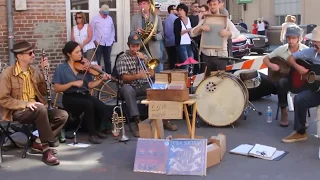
<point x="75" y="85"/>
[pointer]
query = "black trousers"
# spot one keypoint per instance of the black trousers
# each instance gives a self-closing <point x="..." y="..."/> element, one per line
<point x="94" y="110"/>
<point x="213" y="63"/>
<point x="282" y="91"/>
<point x="172" y="56"/>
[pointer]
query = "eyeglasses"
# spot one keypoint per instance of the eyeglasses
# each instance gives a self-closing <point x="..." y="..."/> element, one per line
<point x="79" y="17"/>
<point x="30" y="53"/>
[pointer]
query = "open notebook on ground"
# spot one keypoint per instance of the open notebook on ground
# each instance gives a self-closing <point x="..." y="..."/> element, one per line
<point x="259" y="151"/>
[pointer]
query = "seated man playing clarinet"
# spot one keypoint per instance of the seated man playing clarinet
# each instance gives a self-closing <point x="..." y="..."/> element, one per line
<point x="293" y="35"/>
<point x="308" y="98"/>
<point x="21" y="99"/>
<point x="134" y="79"/>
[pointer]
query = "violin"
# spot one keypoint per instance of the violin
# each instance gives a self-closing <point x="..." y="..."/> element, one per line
<point x="84" y="64"/>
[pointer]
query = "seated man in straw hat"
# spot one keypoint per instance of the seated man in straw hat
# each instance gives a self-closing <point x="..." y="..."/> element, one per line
<point x="305" y="99"/>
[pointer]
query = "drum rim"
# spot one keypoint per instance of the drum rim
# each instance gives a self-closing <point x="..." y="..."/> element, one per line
<point x="241" y="85"/>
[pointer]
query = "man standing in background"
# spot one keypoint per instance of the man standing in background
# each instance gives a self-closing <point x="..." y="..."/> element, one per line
<point x="104" y="36"/>
<point x="169" y="36"/>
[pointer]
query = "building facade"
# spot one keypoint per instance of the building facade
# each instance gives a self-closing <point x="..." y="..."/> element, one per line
<point x="275" y="11"/>
<point x="47" y="24"/>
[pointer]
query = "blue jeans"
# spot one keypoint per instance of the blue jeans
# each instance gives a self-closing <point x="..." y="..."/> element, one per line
<point x="184" y="52"/>
<point x="302" y="102"/>
<point x="159" y="68"/>
<point x="104" y="51"/>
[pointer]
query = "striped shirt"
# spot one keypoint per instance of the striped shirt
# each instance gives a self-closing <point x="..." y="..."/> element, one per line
<point x="28" y="93"/>
<point x="127" y="64"/>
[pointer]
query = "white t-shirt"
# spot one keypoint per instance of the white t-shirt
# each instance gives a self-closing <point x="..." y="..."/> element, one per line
<point x="261" y="26"/>
<point x="185" y="38"/>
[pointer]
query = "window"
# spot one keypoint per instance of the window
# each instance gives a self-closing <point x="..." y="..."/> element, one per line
<point x="287" y="7"/>
<point x="281" y="19"/>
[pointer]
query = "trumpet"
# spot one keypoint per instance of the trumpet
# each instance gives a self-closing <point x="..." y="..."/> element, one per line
<point x="117" y="121"/>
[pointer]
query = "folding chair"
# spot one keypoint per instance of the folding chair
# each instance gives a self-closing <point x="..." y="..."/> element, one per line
<point x="5" y="131"/>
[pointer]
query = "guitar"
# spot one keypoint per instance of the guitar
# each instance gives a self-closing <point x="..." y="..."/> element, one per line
<point x="284" y="71"/>
<point x="311" y="80"/>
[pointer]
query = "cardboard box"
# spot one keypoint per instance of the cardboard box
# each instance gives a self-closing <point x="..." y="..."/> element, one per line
<point x="147" y="128"/>
<point x="215" y="150"/>
<point x="168" y="95"/>
<point x="221" y="141"/>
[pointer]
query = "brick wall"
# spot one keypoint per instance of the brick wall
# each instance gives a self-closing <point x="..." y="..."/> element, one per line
<point x="43" y="24"/>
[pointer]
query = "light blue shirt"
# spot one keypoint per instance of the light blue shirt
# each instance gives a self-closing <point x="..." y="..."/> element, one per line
<point x="103" y="27"/>
<point x="308" y="54"/>
<point x="169" y="38"/>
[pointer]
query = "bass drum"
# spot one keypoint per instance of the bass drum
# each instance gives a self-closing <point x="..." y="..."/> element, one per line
<point x="223" y="98"/>
<point x="266" y="87"/>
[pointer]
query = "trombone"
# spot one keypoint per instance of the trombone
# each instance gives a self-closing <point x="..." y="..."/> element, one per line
<point x="152" y="63"/>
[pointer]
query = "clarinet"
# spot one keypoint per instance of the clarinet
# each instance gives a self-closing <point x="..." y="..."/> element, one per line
<point x="48" y="83"/>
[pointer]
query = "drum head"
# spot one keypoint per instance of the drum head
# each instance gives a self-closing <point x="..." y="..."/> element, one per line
<point x="222" y="99"/>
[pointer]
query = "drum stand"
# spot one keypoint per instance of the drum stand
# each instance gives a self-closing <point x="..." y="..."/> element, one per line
<point x="249" y="107"/>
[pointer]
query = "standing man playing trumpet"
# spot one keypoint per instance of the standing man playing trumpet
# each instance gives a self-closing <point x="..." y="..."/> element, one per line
<point x="211" y="56"/>
<point x="21" y="99"/>
<point x="138" y="23"/>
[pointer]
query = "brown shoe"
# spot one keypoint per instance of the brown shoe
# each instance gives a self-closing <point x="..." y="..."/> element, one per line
<point x="169" y="126"/>
<point x="295" y="137"/>
<point x="37" y="148"/>
<point x="284" y="117"/>
<point x="49" y="159"/>
<point x="135" y="130"/>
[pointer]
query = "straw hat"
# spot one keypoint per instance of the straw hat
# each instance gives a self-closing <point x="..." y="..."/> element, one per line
<point x="315" y="35"/>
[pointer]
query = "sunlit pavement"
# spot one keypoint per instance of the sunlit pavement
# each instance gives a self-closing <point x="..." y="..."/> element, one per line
<point x="113" y="160"/>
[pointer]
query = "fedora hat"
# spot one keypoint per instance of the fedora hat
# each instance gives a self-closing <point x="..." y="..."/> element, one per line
<point x="21" y="47"/>
<point x="315" y="35"/>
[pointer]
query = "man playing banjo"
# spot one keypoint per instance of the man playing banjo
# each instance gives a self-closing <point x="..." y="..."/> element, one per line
<point x="293" y="45"/>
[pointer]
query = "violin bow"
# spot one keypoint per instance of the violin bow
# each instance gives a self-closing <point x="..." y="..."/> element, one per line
<point x="94" y="53"/>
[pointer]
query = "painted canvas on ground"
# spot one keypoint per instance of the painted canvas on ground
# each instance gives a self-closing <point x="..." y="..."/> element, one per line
<point x="151" y="156"/>
<point x="187" y="157"/>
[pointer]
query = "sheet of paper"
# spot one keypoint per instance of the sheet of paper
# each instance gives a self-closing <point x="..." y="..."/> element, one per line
<point x="81" y="145"/>
<point x="262" y="151"/>
<point x="242" y="149"/>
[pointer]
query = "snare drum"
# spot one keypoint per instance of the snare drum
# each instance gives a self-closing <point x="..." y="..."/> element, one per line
<point x="250" y="77"/>
<point x="223" y="98"/>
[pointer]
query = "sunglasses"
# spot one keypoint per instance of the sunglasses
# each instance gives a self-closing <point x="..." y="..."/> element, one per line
<point x="79" y="17"/>
<point x="30" y="53"/>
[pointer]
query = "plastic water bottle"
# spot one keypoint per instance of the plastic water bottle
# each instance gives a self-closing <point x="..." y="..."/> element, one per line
<point x="269" y="115"/>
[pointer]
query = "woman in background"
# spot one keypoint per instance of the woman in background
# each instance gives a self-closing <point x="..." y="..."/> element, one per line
<point x="82" y="34"/>
<point x="255" y="27"/>
<point x="290" y="20"/>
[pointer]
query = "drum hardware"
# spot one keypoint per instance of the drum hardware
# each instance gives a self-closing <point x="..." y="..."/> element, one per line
<point x="252" y="79"/>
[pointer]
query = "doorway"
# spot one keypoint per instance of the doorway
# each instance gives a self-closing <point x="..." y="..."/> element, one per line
<point x="120" y="16"/>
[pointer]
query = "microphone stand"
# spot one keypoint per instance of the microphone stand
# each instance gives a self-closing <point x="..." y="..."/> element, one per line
<point x="191" y="66"/>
